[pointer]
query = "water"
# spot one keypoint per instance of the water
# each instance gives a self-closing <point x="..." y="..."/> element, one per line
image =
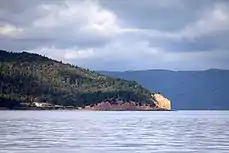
<point x="108" y="132"/>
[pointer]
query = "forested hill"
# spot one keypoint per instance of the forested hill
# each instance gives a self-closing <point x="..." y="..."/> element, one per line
<point x="26" y="77"/>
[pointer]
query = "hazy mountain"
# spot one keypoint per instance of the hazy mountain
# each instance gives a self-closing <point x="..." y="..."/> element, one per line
<point x="186" y="89"/>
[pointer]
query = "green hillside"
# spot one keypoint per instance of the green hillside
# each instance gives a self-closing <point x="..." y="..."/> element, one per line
<point x="26" y="77"/>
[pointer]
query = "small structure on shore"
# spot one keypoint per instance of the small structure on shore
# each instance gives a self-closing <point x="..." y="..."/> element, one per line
<point x="43" y="105"/>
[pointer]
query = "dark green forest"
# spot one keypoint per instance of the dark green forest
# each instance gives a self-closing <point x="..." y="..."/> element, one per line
<point x="26" y="78"/>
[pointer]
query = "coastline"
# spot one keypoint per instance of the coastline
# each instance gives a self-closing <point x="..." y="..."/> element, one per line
<point x="72" y="109"/>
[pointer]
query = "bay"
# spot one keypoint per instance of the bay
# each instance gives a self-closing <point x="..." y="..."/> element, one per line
<point x="111" y="132"/>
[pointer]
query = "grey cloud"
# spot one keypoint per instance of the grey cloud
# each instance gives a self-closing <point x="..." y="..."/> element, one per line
<point x="137" y="34"/>
<point x="23" y="14"/>
<point x="151" y="15"/>
<point x="217" y="41"/>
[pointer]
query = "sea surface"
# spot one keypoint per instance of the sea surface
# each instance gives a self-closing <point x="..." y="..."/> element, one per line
<point x="114" y="132"/>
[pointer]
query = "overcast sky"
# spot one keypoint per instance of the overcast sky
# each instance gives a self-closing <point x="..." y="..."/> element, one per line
<point x="120" y="34"/>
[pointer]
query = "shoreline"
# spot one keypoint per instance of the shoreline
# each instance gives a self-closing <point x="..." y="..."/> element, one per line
<point x="42" y="109"/>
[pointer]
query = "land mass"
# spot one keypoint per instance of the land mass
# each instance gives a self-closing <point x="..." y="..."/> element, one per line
<point x="188" y="90"/>
<point x="32" y="81"/>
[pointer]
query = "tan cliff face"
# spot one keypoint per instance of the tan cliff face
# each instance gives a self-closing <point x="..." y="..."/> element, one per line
<point x="161" y="101"/>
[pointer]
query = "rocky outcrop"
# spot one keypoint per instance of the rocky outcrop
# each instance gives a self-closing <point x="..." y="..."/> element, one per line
<point x="122" y="106"/>
<point x="159" y="102"/>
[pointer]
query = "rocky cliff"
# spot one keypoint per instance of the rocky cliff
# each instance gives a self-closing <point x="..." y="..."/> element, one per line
<point x="159" y="102"/>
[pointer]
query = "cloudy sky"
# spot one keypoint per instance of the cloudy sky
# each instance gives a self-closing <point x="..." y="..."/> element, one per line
<point x="120" y="34"/>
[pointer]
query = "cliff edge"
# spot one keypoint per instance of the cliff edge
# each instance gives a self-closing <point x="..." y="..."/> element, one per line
<point x="161" y="101"/>
<point x="158" y="103"/>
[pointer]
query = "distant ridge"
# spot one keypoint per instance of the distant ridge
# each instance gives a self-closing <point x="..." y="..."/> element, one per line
<point x="158" y="70"/>
<point x="200" y="89"/>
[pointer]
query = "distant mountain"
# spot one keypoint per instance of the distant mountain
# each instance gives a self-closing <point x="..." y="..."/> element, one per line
<point x="27" y="78"/>
<point x="186" y="89"/>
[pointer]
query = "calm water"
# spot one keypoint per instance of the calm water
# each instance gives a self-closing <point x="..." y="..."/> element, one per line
<point x="108" y="132"/>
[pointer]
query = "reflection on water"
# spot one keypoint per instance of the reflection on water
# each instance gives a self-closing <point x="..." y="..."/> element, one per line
<point x="93" y="132"/>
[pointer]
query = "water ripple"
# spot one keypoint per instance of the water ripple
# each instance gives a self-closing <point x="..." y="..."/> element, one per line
<point x="122" y="132"/>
